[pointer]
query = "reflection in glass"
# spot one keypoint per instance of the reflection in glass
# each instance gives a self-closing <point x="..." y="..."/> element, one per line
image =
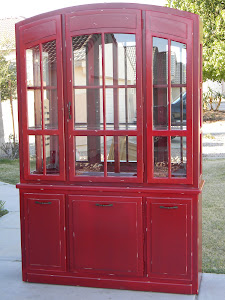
<point x="89" y="155"/>
<point x="178" y="157"/>
<point x="121" y="155"/>
<point x="87" y="64"/>
<point x="178" y="63"/>
<point x="120" y="59"/>
<point x="160" y="156"/>
<point x="178" y="108"/>
<point x="160" y="61"/>
<point x="52" y="154"/>
<point x="88" y="109"/>
<point x="34" y="109"/>
<point x="160" y="108"/>
<point x="49" y="64"/>
<point x="33" y="66"/>
<point x="121" y="109"/>
<point x="36" y="154"/>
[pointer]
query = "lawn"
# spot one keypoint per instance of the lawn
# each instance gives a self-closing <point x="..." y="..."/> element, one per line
<point x="213" y="214"/>
<point x="9" y="171"/>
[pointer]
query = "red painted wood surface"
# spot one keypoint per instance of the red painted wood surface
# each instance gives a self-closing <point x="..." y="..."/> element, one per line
<point x="139" y="232"/>
<point x="106" y="235"/>
<point x="45" y="234"/>
<point x="169" y="238"/>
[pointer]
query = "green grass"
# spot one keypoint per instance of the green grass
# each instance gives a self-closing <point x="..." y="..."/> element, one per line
<point x="213" y="216"/>
<point x="213" y="210"/>
<point x="9" y="171"/>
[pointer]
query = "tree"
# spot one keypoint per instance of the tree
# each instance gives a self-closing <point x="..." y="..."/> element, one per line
<point x="212" y="13"/>
<point x="8" y="84"/>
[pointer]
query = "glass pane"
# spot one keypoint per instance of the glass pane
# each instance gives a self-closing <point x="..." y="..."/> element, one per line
<point x="178" y="63"/>
<point x="36" y="154"/>
<point x="109" y="108"/>
<point x="160" y="61"/>
<point x="52" y="154"/>
<point x="88" y="109"/>
<point x="120" y="59"/>
<point x="178" y="157"/>
<point x="89" y="155"/>
<point x="33" y="66"/>
<point x="160" y="156"/>
<point x="87" y="62"/>
<point x="49" y="64"/>
<point x="121" y="155"/>
<point x="34" y="113"/>
<point x="178" y="108"/>
<point x="160" y="108"/>
<point x="121" y="110"/>
<point x="51" y="109"/>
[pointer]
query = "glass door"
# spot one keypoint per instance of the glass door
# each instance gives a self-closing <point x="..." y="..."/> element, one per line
<point x="104" y="107"/>
<point x="43" y="123"/>
<point x="169" y="93"/>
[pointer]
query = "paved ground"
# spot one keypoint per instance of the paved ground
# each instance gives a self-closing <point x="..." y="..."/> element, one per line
<point x="13" y="288"/>
<point x="214" y="140"/>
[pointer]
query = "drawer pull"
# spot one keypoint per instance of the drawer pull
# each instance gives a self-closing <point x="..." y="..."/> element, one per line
<point x="169" y="207"/>
<point x="41" y="202"/>
<point x="104" y="205"/>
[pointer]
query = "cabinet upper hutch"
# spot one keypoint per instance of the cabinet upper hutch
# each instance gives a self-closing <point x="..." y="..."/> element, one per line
<point x="110" y="119"/>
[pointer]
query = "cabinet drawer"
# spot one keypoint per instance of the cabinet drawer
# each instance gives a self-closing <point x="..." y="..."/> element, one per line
<point x="106" y="235"/>
<point x="45" y="224"/>
<point x="169" y="238"/>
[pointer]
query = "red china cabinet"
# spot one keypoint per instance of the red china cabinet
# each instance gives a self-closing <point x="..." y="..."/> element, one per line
<point x="110" y="119"/>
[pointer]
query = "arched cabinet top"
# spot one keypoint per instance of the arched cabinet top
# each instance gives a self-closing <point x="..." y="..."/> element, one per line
<point x="125" y="10"/>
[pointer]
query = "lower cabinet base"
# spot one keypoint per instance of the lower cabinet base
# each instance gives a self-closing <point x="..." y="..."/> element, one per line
<point x="116" y="283"/>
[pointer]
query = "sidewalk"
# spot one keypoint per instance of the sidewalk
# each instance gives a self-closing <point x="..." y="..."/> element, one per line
<point x="13" y="288"/>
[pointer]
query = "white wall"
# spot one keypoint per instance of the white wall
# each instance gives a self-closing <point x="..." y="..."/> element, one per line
<point x="7" y="119"/>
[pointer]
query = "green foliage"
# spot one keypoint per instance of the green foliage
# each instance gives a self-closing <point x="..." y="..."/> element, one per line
<point x="7" y="78"/>
<point x="2" y="210"/>
<point x="212" y="13"/>
<point x="212" y="100"/>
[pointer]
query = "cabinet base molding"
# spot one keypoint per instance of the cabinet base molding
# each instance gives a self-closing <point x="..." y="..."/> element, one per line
<point x="116" y="283"/>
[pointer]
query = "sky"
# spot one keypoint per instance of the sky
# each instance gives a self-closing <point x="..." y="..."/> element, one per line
<point x="28" y="8"/>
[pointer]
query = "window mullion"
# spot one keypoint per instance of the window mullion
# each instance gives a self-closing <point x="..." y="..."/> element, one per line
<point x="104" y="99"/>
<point x="42" y="109"/>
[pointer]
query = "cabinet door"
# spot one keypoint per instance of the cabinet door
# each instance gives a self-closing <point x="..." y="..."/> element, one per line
<point x="45" y="231"/>
<point x="169" y="238"/>
<point x="106" y="235"/>
<point x="40" y="95"/>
